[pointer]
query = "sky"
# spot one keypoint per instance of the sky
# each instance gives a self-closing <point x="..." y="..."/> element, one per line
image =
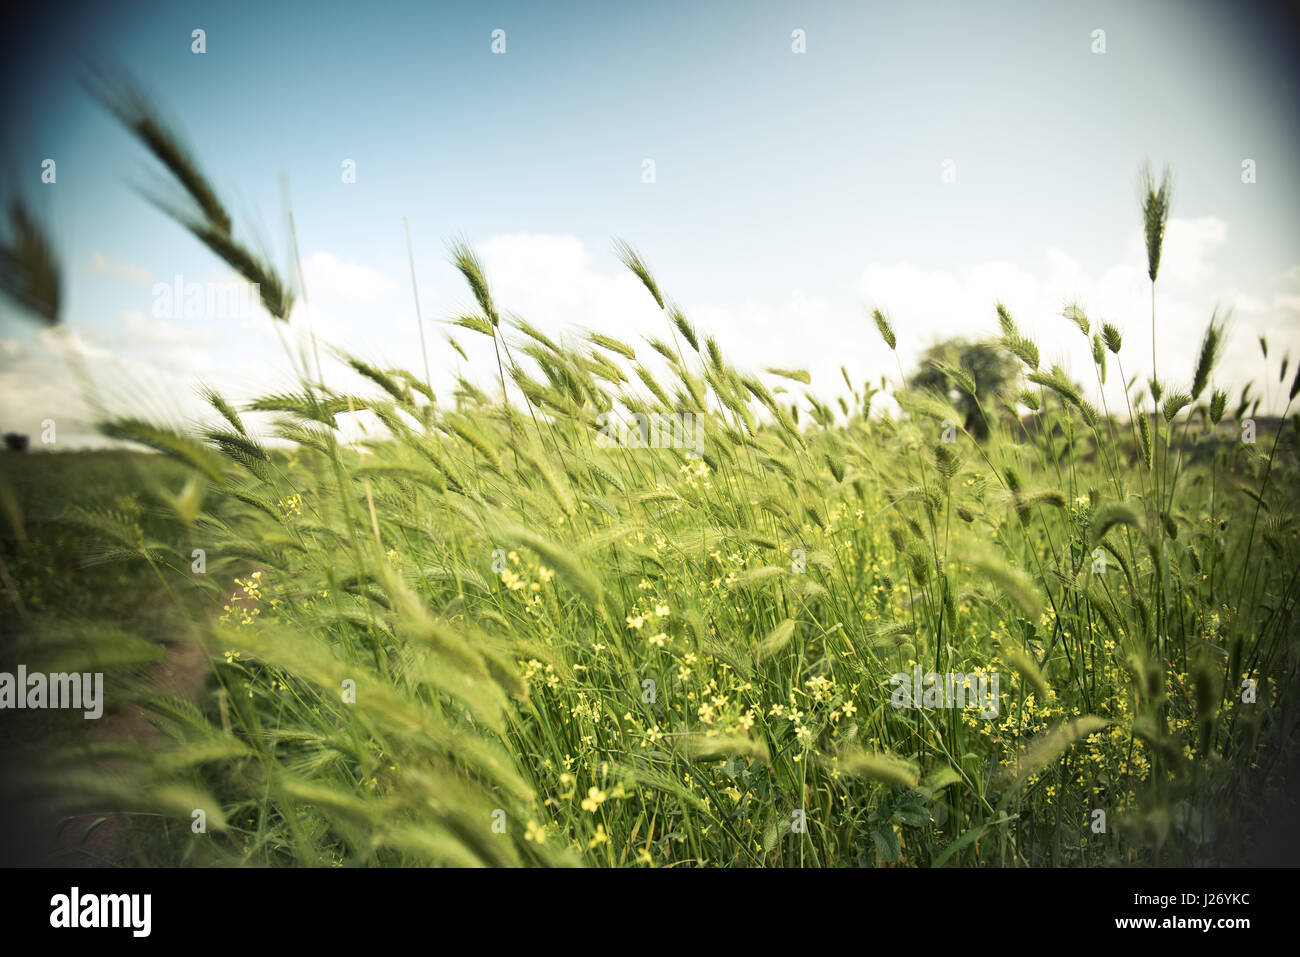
<point x="927" y="158"/>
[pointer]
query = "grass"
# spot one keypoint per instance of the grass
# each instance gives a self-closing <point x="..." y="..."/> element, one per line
<point x="486" y="637"/>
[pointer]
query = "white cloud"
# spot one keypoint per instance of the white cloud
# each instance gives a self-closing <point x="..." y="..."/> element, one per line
<point x="551" y="281"/>
<point x="144" y="330"/>
<point x="329" y="278"/>
<point x="101" y="265"/>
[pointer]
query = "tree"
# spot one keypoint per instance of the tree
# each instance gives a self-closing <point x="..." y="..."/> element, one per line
<point x="989" y="366"/>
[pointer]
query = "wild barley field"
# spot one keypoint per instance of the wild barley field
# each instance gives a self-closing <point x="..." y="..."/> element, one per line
<point x="618" y="603"/>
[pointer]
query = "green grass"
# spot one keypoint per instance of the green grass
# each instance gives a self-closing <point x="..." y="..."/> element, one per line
<point x="493" y="639"/>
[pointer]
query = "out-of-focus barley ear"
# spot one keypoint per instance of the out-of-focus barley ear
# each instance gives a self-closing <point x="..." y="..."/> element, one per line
<point x="1155" y="202"/>
<point x="456" y="345"/>
<point x="1015" y="584"/>
<point x="466" y="260"/>
<point x="1263" y="346"/>
<point x="1042" y="751"/>
<point x="1144" y="431"/>
<point x="633" y="261"/>
<point x="1210" y="351"/>
<point x="1024" y="665"/>
<point x="1244" y="402"/>
<point x="1111" y="336"/>
<point x="1156" y="390"/>
<point x="207" y="217"/>
<point x="29" y="269"/>
<point x="683" y="326"/>
<point x="884" y="768"/>
<point x="885" y="329"/>
<point x="1110" y="516"/>
<point x="275" y="293"/>
<point x="1076" y="315"/>
<point x="1099" y="356"/>
<point x="118" y="94"/>
<point x="1218" y="404"/>
<point x="796" y="375"/>
<point x="1295" y="385"/>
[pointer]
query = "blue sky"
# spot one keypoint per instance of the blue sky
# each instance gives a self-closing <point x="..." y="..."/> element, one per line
<point x="792" y="191"/>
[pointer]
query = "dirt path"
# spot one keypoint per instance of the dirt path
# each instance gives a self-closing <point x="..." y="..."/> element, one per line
<point x="183" y="672"/>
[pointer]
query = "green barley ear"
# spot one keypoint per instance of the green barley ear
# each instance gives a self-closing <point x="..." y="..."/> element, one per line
<point x="1008" y="324"/>
<point x="1211" y="349"/>
<point x="945" y="460"/>
<point x="1022" y="347"/>
<point x="1059" y="383"/>
<point x="715" y="353"/>
<point x="664" y="349"/>
<point x="474" y="324"/>
<point x="1099" y="356"/>
<point x="227" y="411"/>
<point x="532" y="332"/>
<point x="613" y="345"/>
<point x="1155" y="203"/>
<point x="683" y="325"/>
<point x="1175" y="404"/>
<point x="1029" y="399"/>
<point x="1157" y="390"/>
<point x="1281" y="375"/>
<point x="467" y="262"/>
<point x="1218" y="404"/>
<point x="1263" y="346"/>
<point x="29" y="270"/>
<point x="1111" y="336"/>
<point x="633" y="261"/>
<point x="1076" y="315"/>
<point x="964" y="380"/>
<point x="885" y="329"/>
<point x="1144" y="430"/>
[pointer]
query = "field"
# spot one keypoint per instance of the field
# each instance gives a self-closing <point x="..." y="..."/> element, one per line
<point x="519" y="626"/>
